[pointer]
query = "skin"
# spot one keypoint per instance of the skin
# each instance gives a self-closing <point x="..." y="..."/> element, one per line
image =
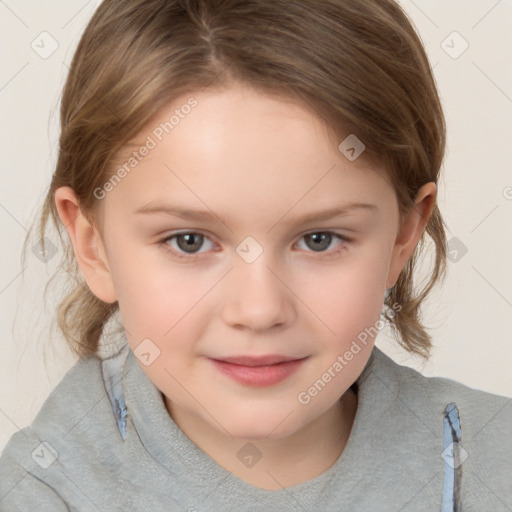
<point x="258" y="162"/>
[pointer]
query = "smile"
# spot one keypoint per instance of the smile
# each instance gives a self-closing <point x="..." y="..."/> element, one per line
<point x="258" y="371"/>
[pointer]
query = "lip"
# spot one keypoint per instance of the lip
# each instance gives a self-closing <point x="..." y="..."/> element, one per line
<point x="258" y="371"/>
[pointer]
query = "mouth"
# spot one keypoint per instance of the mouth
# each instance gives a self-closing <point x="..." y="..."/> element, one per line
<point x="258" y="371"/>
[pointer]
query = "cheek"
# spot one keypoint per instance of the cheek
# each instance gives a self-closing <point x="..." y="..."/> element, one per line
<point x="348" y="297"/>
<point x="153" y="297"/>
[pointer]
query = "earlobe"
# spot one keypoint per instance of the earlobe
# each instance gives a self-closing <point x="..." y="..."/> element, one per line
<point x="411" y="230"/>
<point x="87" y="245"/>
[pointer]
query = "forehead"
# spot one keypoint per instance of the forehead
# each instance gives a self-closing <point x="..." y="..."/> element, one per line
<point x="241" y="148"/>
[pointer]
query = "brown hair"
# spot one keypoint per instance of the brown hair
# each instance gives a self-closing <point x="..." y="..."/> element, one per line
<point x="359" y="64"/>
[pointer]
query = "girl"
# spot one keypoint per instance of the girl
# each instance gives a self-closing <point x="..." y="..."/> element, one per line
<point x="247" y="186"/>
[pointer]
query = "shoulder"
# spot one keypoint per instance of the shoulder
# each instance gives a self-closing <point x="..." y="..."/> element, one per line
<point x="481" y="430"/>
<point x="28" y="464"/>
<point x="71" y="402"/>
<point x="478" y="409"/>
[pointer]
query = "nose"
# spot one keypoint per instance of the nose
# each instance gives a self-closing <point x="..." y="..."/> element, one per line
<point x="258" y="297"/>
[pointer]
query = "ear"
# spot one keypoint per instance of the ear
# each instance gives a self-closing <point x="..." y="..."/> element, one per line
<point x="410" y="231"/>
<point x="87" y="244"/>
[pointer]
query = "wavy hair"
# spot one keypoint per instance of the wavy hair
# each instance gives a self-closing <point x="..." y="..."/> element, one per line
<point x="359" y="64"/>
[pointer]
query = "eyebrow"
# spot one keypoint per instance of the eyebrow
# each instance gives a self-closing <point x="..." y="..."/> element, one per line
<point x="205" y="215"/>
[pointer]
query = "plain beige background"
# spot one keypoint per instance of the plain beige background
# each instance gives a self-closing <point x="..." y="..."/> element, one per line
<point x="469" y="44"/>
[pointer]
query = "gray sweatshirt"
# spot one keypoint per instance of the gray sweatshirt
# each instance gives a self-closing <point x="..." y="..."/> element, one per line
<point x="103" y="441"/>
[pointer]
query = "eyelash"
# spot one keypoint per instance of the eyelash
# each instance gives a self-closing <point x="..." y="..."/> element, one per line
<point x="195" y="256"/>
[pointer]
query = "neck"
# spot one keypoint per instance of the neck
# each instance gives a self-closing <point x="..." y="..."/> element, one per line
<point x="285" y="462"/>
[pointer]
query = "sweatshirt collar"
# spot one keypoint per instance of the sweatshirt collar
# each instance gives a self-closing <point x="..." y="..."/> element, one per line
<point x="138" y="404"/>
<point x="171" y="448"/>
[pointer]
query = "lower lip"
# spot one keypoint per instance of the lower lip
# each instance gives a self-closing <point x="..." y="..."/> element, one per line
<point x="258" y="376"/>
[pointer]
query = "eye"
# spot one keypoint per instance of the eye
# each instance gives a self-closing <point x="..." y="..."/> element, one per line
<point x="187" y="243"/>
<point x="318" y="241"/>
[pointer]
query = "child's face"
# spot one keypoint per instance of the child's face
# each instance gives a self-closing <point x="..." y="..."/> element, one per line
<point x="252" y="283"/>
